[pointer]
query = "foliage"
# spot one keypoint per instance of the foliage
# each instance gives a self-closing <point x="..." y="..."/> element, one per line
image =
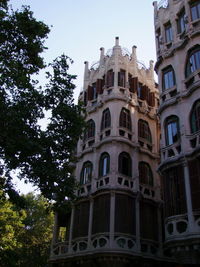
<point x="25" y="234"/>
<point x="42" y="157"/>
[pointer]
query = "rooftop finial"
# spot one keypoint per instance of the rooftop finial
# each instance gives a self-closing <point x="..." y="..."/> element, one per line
<point x="117" y="41"/>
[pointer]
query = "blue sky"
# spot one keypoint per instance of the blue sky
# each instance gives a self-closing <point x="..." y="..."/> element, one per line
<point x="81" y="27"/>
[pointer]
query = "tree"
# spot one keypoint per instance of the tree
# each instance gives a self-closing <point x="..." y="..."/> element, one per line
<point x="25" y="234"/>
<point x="42" y="157"/>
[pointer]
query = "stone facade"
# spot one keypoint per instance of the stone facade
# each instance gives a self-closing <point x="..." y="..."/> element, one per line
<point x="139" y="158"/>
<point x="177" y="29"/>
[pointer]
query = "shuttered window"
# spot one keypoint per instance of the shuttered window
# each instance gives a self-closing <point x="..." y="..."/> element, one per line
<point x="125" y="164"/>
<point x="101" y="214"/>
<point x="106" y="119"/>
<point x="90" y="130"/>
<point x="195" y="117"/>
<point x="144" y="130"/>
<point x="124" y="214"/>
<point x="145" y="173"/>
<point x="125" y="119"/>
<point x="81" y="220"/>
<point x="148" y="221"/>
<point x="110" y="78"/>
<point x="121" y="78"/>
<point x="174" y="191"/>
<point x="194" y="170"/>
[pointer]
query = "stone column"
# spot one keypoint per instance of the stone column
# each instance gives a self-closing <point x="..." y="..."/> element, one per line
<point x="90" y="222"/>
<point x="55" y="229"/>
<point x="137" y="220"/>
<point x="71" y="230"/>
<point x="112" y="219"/>
<point x="188" y="196"/>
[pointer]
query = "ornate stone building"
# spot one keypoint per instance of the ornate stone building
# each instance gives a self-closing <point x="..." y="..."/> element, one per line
<point x="125" y="214"/>
<point x="177" y="28"/>
<point x="117" y="218"/>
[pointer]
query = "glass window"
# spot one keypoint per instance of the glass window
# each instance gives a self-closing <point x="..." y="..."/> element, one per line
<point x="193" y="62"/>
<point x="195" y="117"/>
<point x="172" y="130"/>
<point x="144" y="131"/>
<point x="125" y="119"/>
<point x="106" y="119"/>
<point x="125" y="164"/>
<point x="90" y="130"/>
<point x="168" y="33"/>
<point x="145" y="173"/>
<point x="86" y="173"/>
<point x="195" y="10"/>
<point x="181" y="22"/>
<point x="104" y="164"/>
<point x="168" y="78"/>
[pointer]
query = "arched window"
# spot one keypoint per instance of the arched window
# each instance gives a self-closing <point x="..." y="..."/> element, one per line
<point x="172" y="130"/>
<point x="193" y="61"/>
<point x="144" y="131"/>
<point x="125" y="164"/>
<point x="195" y="117"/>
<point x="169" y="80"/>
<point x="104" y="164"/>
<point x="86" y="172"/>
<point x="90" y="129"/>
<point x="145" y="173"/>
<point x="125" y="119"/>
<point x="106" y="119"/>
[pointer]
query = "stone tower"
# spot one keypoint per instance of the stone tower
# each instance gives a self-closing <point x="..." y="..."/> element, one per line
<point x="117" y="218"/>
<point x="177" y="29"/>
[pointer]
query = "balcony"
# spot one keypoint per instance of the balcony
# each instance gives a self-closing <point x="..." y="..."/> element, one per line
<point x="171" y="151"/>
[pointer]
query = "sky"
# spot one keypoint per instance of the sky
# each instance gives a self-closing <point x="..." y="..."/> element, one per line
<point x="79" y="28"/>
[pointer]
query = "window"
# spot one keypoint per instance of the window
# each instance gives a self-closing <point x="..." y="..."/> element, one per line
<point x="145" y="173"/>
<point x="110" y="78"/>
<point x="121" y="78"/>
<point x="104" y="164"/>
<point x="125" y="164"/>
<point x="168" y="33"/>
<point x="193" y="61"/>
<point x="144" y="131"/>
<point x="106" y="119"/>
<point x="125" y="119"/>
<point x="90" y="130"/>
<point x="174" y="191"/>
<point x="195" y="10"/>
<point x="195" y="117"/>
<point x="86" y="173"/>
<point x="181" y="22"/>
<point x="168" y="78"/>
<point x="172" y="130"/>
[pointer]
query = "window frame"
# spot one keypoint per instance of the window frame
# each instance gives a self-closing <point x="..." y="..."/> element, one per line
<point x="168" y="32"/>
<point x="125" y="168"/>
<point x="86" y="172"/>
<point x="168" y="78"/>
<point x="193" y="61"/>
<point x="145" y="174"/>
<point x="104" y="164"/>
<point x="195" y="8"/>
<point x="125" y="119"/>
<point x="106" y="119"/>
<point x="170" y="137"/>
<point x="144" y="131"/>
<point x="181" y="25"/>
<point x="90" y="130"/>
<point x="195" y="117"/>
